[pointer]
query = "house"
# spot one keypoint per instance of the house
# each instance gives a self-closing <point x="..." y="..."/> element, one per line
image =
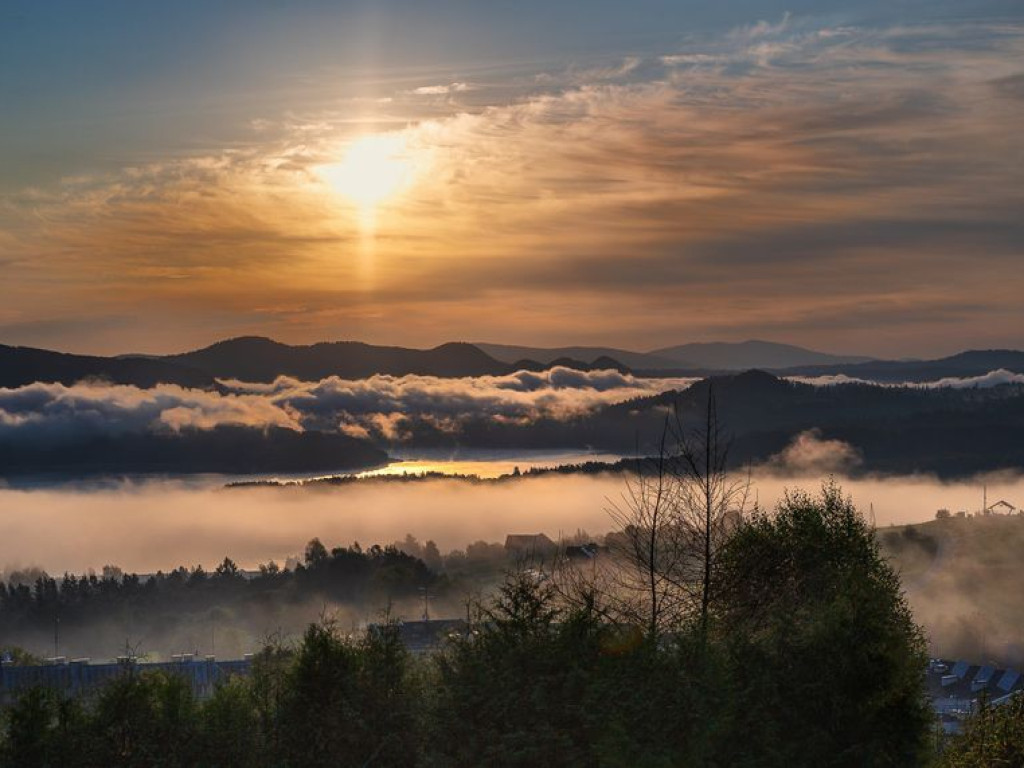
<point x="955" y="689"/>
<point x="427" y="634"/>
<point x="81" y="675"/>
<point x="1002" y="507"/>
<point x="583" y="551"/>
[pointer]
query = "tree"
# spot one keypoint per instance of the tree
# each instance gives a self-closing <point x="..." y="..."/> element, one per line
<point x="994" y="736"/>
<point x="228" y="569"/>
<point x="229" y="735"/>
<point x="316" y="553"/>
<point x="512" y="693"/>
<point x="678" y="508"/>
<point x="320" y="721"/>
<point x="345" y="701"/>
<point x="827" y="662"/>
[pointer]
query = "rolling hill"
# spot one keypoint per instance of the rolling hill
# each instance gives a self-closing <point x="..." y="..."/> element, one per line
<point x="741" y="356"/>
<point x="25" y="365"/>
<point x="507" y="353"/>
<point x="254" y="358"/>
<point x="966" y="364"/>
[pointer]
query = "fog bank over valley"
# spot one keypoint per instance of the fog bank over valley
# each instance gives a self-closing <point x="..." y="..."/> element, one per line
<point x="145" y="526"/>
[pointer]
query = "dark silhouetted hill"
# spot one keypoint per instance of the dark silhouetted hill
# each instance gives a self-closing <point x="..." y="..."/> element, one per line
<point x="963" y="365"/>
<point x="260" y="359"/>
<point x="895" y="430"/>
<point x="723" y="356"/>
<point x="25" y="365"/>
<point x="254" y="358"/>
<point x="590" y="355"/>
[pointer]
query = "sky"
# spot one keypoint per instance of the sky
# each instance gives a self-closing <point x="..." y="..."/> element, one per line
<point x="844" y="175"/>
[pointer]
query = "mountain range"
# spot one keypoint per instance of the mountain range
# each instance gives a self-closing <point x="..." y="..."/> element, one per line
<point x="260" y="359"/>
<point x="713" y="356"/>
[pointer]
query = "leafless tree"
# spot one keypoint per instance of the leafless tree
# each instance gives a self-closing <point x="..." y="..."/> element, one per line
<point x="707" y="505"/>
<point x="676" y="510"/>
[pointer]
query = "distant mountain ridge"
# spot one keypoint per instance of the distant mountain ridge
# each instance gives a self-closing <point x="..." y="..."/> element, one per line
<point x="967" y="364"/>
<point x="508" y="353"/>
<point x="26" y="365"/>
<point x="255" y="358"/>
<point x="744" y="355"/>
<point x="259" y="359"/>
<point x="696" y="357"/>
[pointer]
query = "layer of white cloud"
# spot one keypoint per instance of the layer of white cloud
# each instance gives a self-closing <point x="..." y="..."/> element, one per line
<point x="375" y="406"/>
<point x="54" y="412"/>
<point x="985" y="381"/>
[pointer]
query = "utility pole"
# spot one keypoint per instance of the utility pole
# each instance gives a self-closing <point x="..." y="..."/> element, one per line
<point x="56" y="635"/>
<point x="426" y="603"/>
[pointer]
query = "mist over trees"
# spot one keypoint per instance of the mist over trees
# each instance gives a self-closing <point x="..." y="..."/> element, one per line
<point x="707" y="634"/>
<point x="808" y="656"/>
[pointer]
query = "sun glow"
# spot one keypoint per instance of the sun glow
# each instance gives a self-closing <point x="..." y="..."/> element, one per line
<point x="375" y="168"/>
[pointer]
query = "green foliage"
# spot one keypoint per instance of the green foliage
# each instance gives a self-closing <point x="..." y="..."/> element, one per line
<point x="827" y="661"/>
<point x="511" y="693"/>
<point x="345" y="574"/>
<point x="19" y="656"/>
<point x="538" y="684"/>
<point x="228" y="730"/>
<point x="993" y="738"/>
<point x="811" y="658"/>
<point x="345" y="701"/>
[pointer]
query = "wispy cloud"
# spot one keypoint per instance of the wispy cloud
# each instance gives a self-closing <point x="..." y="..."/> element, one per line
<point x="720" y="189"/>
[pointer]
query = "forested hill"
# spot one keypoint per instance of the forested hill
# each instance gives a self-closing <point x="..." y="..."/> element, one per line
<point x="25" y="365"/>
<point x="894" y="429"/>
<point x="258" y="359"/>
<point x="965" y="364"/>
<point x="255" y="358"/>
<point x="950" y="432"/>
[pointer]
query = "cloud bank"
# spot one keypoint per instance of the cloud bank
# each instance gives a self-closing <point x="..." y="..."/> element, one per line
<point x="380" y="407"/>
<point x="375" y="406"/>
<point x="988" y="380"/>
<point x="55" y="412"/>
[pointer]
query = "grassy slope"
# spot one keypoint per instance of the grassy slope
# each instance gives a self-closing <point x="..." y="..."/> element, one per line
<point x="964" y="579"/>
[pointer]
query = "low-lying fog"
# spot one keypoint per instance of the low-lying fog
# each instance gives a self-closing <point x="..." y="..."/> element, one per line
<point x="144" y="526"/>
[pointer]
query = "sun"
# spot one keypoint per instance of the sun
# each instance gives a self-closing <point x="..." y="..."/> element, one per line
<point x="374" y="168"/>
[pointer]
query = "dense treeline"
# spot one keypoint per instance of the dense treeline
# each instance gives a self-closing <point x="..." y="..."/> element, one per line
<point x="128" y="606"/>
<point x="807" y="656"/>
